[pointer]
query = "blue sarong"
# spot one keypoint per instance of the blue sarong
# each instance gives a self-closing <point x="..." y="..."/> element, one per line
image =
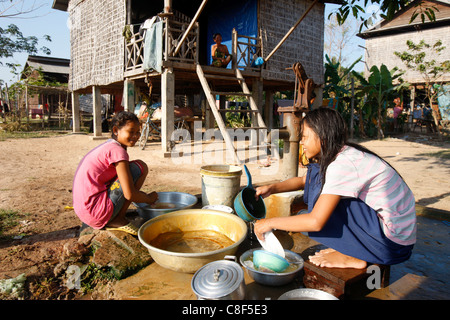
<point x="353" y="228"/>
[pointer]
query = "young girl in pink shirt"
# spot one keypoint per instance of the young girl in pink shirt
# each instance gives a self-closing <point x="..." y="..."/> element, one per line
<point x="106" y="181"/>
<point x="358" y="205"/>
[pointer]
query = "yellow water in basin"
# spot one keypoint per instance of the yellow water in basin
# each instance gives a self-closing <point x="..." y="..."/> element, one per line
<point x="196" y="241"/>
<point x="163" y="205"/>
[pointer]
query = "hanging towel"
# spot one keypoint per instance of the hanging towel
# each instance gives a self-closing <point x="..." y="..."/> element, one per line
<point x="153" y="47"/>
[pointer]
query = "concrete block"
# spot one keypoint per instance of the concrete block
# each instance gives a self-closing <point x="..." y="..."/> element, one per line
<point x="281" y="204"/>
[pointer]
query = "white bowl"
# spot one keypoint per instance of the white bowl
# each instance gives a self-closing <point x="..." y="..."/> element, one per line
<point x="219" y="207"/>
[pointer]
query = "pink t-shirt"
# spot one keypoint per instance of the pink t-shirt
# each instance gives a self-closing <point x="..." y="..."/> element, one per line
<point x="94" y="174"/>
<point x="361" y="175"/>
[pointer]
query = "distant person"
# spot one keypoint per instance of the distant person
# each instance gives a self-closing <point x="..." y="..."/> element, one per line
<point x="106" y="182"/>
<point x="219" y="52"/>
<point x="417" y="113"/>
<point x="398" y="109"/>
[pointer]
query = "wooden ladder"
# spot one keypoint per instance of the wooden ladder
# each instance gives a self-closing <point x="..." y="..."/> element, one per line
<point x="257" y="120"/>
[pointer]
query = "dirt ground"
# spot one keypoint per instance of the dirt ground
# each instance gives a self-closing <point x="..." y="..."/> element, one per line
<point x="36" y="181"/>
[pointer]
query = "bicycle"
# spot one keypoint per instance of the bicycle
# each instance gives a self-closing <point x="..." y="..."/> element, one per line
<point x="148" y="126"/>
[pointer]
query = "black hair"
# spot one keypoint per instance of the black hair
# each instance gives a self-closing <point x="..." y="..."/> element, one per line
<point x="330" y="127"/>
<point x="216" y="34"/>
<point x="120" y="120"/>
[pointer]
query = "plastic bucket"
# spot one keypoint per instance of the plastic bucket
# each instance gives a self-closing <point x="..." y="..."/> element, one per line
<point x="220" y="184"/>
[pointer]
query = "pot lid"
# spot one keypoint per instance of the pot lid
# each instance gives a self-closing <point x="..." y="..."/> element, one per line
<point x="217" y="279"/>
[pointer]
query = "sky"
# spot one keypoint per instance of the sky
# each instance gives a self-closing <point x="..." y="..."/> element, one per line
<point x="43" y="21"/>
<point x="48" y="21"/>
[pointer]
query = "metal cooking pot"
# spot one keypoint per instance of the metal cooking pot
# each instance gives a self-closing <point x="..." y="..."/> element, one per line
<point x="219" y="280"/>
<point x="245" y="203"/>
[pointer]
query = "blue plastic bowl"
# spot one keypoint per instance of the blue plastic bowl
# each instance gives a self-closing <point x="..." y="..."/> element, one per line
<point x="269" y="260"/>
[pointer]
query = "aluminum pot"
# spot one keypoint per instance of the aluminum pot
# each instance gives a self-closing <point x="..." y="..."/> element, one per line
<point x="227" y="224"/>
<point x="271" y="278"/>
<point x="219" y="280"/>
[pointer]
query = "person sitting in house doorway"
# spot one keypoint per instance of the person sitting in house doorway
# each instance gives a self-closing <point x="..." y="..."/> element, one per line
<point x="219" y="52"/>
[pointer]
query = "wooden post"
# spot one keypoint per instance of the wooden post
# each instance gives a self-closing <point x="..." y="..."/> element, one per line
<point x="167" y="108"/>
<point x="59" y="110"/>
<point x="268" y="109"/>
<point x="257" y="94"/>
<point x="209" y="117"/>
<point x="234" y="49"/>
<point x="167" y="6"/>
<point x="75" y="112"/>
<point x="27" y="111"/>
<point x="97" y="111"/>
<point x="128" y="11"/>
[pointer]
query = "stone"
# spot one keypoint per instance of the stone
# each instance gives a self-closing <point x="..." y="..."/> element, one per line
<point x="120" y="251"/>
<point x="281" y="204"/>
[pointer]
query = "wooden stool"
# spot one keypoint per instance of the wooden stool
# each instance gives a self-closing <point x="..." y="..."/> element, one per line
<point x="341" y="282"/>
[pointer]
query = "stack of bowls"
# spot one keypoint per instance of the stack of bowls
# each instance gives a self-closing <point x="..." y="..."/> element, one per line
<point x="268" y="260"/>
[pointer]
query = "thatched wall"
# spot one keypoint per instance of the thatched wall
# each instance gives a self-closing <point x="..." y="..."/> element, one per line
<point x="97" y="44"/>
<point x="304" y="45"/>
<point x="380" y="50"/>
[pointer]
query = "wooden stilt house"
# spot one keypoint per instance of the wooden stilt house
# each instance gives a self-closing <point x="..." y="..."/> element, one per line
<point x="122" y="46"/>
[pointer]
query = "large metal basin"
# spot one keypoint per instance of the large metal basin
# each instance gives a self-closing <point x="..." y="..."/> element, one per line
<point x="167" y="202"/>
<point x="192" y="220"/>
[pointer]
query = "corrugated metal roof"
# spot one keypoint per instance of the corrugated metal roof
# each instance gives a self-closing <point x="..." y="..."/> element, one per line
<point x="49" y="64"/>
<point x="49" y="68"/>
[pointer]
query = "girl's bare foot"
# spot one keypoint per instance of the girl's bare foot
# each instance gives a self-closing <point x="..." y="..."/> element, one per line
<point x="117" y="222"/>
<point x="331" y="258"/>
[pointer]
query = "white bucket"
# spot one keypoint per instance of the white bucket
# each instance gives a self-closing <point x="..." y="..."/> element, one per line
<point x="220" y="184"/>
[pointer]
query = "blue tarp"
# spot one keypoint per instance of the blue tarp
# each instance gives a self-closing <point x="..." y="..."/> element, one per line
<point x="238" y="14"/>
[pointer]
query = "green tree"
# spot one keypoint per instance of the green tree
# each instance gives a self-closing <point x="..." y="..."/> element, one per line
<point x="388" y="9"/>
<point x="377" y="93"/>
<point x="336" y="80"/>
<point x="415" y="59"/>
<point x="337" y="84"/>
<point x="12" y="40"/>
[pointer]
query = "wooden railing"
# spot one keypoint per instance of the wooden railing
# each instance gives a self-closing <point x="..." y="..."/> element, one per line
<point x="134" y="49"/>
<point x="245" y="50"/>
<point x="172" y="34"/>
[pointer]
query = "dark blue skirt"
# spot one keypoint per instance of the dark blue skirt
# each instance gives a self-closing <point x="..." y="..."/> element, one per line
<point x="354" y="228"/>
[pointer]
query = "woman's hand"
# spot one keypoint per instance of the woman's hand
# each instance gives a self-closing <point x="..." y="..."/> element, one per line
<point x="262" y="226"/>
<point x="263" y="191"/>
